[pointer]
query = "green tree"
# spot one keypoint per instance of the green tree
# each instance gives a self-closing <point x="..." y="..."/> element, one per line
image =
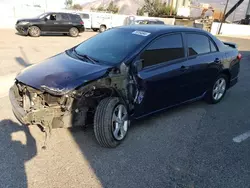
<point x="156" y="8"/>
<point x="100" y="8"/>
<point x="77" y="7"/>
<point x="112" y="8"/>
<point x="140" y="12"/>
<point x="68" y="3"/>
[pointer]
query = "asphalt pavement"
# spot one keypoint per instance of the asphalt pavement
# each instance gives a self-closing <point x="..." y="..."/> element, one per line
<point x="192" y="146"/>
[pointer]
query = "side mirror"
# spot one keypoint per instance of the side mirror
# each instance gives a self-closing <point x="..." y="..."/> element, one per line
<point x="137" y="65"/>
<point x="45" y="19"/>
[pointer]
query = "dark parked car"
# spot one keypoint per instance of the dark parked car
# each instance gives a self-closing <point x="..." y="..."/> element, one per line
<point x="51" y="22"/>
<point x="122" y="74"/>
<point x="149" y="22"/>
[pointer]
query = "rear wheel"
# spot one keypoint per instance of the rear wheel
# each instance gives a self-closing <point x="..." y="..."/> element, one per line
<point x="34" y="31"/>
<point x="102" y="28"/>
<point x="111" y="122"/>
<point x="218" y="91"/>
<point x="73" y="32"/>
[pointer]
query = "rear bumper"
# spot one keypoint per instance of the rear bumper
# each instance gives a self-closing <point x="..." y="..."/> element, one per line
<point x="81" y="29"/>
<point x="233" y="82"/>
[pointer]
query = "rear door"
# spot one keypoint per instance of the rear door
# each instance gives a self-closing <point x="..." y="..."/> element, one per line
<point x="63" y="22"/>
<point x="202" y="66"/>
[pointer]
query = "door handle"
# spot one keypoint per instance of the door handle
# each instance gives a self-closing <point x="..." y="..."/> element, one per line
<point x="217" y="60"/>
<point x="184" y="68"/>
<point x="55" y="23"/>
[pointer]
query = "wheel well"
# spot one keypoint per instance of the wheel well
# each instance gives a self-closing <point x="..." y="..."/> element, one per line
<point x="227" y="73"/>
<point x="103" y="25"/>
<point x="35" y="26"/>
<point x="74" y="27"/>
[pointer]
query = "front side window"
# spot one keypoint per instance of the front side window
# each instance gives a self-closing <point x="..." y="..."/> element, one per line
<point x="197" y="44"/>
<point x="111" y="46"/>
<point x="163" y="49"/>
<point x="52" y="17"/>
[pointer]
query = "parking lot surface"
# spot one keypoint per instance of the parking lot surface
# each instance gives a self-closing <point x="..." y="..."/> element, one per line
<point x="195" y="145"/>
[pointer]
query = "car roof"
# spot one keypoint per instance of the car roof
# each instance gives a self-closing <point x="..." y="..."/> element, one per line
<point x="161" y="29"/>
<point x="61" y="13"/>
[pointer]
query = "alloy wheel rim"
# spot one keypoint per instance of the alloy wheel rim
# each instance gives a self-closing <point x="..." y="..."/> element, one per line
<point x="219" y="89"/>
<point x="34" y="31"/>
<point x="74" y="32"/>
<point x="120" y="122"/>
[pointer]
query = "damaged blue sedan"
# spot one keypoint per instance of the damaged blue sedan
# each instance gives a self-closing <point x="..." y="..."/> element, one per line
<point x="122" y="74"/>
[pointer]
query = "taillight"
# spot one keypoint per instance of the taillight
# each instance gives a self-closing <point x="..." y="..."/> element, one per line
<point x="82" y="23"/>
<point x="239" y="56"/>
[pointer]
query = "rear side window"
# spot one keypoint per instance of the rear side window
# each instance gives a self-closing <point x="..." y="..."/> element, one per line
<point x="85" y="16"/>
<point x="75" y="17"/>
<point x="163" y="49"/>
<point x="64" y="17"/>
<point x="198" y="44"/>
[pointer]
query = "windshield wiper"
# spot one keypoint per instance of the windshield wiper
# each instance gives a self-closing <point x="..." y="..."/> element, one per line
<point x="86" y="57"/>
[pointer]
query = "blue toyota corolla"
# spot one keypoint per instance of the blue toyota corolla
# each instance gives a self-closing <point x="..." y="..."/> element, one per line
<point x="122" y="74"/>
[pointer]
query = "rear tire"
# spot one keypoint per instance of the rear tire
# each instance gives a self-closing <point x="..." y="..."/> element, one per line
<point x="110" y="123"/>
<point x="34" y="31"/>
<point x="218" y="90"/>
<point x="102" y="28"/>
<point x="73" y="32"/>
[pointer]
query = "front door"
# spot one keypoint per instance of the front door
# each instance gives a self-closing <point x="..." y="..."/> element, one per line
<point x="161" y="79"/>
<point x="51" y="24"/>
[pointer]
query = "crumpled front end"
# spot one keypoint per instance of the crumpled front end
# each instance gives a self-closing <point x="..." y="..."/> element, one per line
<point x="32" y="106"/>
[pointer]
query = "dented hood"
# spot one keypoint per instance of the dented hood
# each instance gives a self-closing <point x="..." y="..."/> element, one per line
<point x="61" y="72"/>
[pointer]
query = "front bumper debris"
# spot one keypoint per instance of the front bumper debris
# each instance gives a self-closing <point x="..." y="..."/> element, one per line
<point x="22" y="29"/>
<point x="43" y="116"/>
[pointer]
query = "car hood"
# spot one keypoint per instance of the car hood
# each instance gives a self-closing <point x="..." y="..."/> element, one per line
<point x="28" y="20"/>
<point x="61" y="72"/>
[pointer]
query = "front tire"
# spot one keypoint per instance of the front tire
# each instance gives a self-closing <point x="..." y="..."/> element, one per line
<point x="111" y="122"/>
<point x="73" y="32"/>
<point x="218" y="90"/>
<point x="34" y="31"/>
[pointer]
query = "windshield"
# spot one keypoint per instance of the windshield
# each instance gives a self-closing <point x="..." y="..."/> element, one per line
<point x="42" y="15"/>
<point x="111" y="46"/>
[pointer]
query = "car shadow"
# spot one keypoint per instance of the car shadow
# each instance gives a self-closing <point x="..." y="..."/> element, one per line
<point x="144" y="159"/>
<point x="24" y="61"/>
<point x="14" y="154"/>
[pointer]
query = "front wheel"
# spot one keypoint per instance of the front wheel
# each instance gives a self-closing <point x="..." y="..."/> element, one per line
<point x="111" y="122"/>
<point x="73" y="32"/>
<point x="218" y="91"/>
<point x="34" y="31"/>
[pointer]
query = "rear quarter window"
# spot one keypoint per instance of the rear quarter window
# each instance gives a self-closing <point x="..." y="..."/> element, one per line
<point x="197" y="44"/>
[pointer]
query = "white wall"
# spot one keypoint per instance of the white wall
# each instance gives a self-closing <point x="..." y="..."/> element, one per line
<point x="231" y="29"/>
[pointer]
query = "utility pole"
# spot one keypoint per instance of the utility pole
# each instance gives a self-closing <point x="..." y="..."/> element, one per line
<point x="171" y="7"/>
<point x="223" y="16"/>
